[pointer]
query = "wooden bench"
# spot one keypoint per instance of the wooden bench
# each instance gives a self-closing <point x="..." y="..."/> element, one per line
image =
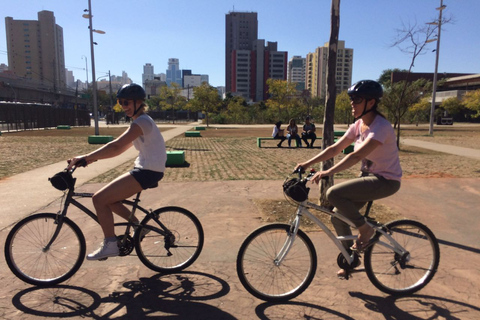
<point x="259" y="140"/>
<point x="198" y="128"/>
<point x="192" y="134"/>
<point x="175" y="158"/>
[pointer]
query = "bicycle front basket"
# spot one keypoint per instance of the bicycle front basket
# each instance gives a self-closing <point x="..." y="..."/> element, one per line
<point x="62" y="180"/>
<point x="296" y="189"/>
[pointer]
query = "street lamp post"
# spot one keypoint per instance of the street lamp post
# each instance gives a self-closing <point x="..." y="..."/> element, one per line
<point x="94" y="84"/>
<point x="432" y="108"/>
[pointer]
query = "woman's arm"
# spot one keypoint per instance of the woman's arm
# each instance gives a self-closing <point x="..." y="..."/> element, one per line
<point x="350" y="160"/>
<point x="111" y="149"/>
<point x="328" y="153"/>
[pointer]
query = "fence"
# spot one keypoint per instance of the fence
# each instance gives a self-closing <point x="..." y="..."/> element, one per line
<point x="26" y="116"/>
<point x="178" y="115"/>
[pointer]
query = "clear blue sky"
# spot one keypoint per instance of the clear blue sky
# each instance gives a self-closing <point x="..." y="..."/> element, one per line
<point x="151" y="31"/>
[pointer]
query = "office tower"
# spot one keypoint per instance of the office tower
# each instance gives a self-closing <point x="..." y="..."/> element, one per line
<point x="296" y="72"/>
<point x="252" y="68"/>
<point x="316" y="70"/>
<point x="174" y="74"/>
<point x="36" y="50"/>
<point x="148" y="73"/>
<point x="241" y="30"/>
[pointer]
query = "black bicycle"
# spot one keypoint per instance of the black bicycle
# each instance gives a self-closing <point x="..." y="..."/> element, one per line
<point x="48" y="248"/>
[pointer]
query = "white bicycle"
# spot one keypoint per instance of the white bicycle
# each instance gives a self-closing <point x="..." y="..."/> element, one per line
<point x="277" y="262"/>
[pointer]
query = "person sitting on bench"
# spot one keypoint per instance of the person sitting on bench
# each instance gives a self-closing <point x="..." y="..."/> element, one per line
<point x="278" y="133"/>
<point x="309" y="132"/>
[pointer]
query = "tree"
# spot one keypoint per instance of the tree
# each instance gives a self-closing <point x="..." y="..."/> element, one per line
<point x="282" y="93"/>
<point x="420" y="110"/>
<point x="237" y="110"/>
<point x="413" y="40"/>
<point x="328" y="137"/>
<point x="205" y="99"/>
<point x="452" y="106"/>
<point x="400" y="96"/>
<point x="343" y="108"/>
<point x="471" y="100"/>
<point x="171" y="98"/>
<point x="386" y="76"/>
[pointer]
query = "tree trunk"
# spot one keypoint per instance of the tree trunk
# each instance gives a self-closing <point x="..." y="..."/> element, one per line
<point x="329" y="118"/>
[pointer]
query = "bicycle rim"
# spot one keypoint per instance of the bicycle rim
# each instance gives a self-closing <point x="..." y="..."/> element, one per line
<point x="266" y="280"/>
<point x="28" y="259"/>
<point x="185" y="245"/>
<point x="395" y="275"/>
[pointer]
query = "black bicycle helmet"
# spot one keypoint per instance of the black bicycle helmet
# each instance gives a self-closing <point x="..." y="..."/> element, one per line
<point x="132" y="92"/>
<point x="367" y="89"/>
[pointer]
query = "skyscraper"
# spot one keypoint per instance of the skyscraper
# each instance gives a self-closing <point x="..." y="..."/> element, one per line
<point x="148" y="73"/>
<point x="296" y="72"/>
<point x="174" y="74"/>
<point x="316" y="70"/>
<point x="241" y="31"/>
<point x="36" y="50"/>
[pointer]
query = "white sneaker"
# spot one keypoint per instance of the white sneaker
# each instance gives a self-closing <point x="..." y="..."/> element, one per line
<point x="107" y="249"/>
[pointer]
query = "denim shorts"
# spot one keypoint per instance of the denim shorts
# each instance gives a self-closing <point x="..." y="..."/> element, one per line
<point x="147" y="178"/>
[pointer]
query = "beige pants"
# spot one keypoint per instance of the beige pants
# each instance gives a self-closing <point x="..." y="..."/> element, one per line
<point x="350" y="196"/>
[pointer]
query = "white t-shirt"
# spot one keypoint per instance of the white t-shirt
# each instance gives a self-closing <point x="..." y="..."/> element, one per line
<point x="151" y="146"/>
<point x="384" y="160"/>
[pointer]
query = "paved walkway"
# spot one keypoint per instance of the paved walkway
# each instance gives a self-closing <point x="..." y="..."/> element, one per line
<point x="461" y="151"/>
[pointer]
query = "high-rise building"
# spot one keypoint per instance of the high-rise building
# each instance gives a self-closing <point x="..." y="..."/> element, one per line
<point x="174" y="74"/>
<point x="296" y="72"/>
<point x="36" y="50"/>
<point x="241" y="31"/>
<point x="148" y="73"/>
<point x="252" y="68"/>
<point x="316" y="70"/>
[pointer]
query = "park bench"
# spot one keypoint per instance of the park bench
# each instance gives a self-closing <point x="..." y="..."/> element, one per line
<point x="198" y="128"/>
<point x="192" y="134"/>
<point x="175" y="158"/>
<point x="260" y="139"/>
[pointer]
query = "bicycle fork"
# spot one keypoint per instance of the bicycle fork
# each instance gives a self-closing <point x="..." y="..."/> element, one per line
<point x="292" y="234"/>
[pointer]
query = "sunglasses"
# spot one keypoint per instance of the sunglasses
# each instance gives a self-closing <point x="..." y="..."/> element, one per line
<point x="123" y="102"/>
<point x="356" y="100"/>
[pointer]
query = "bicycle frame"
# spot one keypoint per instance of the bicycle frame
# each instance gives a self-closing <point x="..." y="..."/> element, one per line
<point x="70" y="200"/>
<point x="302" y="210"/>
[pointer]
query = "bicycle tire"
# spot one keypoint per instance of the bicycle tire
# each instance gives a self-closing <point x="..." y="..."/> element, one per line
<point x="187" y="242"/>
<point x="27" y="259"/>
<point x="393" y="275"/>
<point x="262" y="278"/>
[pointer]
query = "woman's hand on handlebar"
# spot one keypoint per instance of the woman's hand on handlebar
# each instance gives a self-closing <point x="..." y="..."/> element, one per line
<point x="80" y="161"/>
<point x="319" y="175"/>
<point x="300" y="166"/>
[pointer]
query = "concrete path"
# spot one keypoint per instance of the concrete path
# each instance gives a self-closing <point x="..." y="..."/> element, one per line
<point x="461" y="151"/>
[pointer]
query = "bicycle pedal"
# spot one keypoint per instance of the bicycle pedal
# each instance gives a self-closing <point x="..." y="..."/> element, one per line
<point x="103" y="259"/>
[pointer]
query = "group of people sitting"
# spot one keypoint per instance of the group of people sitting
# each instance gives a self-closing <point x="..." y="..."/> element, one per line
<point x="307" y="134"/>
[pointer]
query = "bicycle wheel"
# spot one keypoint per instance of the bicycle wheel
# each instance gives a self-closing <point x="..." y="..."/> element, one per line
<point x="268" y="281"/>
<point x="172" y="252"/>
<point x="31" y="262"/>
<point x="397" y="275"/>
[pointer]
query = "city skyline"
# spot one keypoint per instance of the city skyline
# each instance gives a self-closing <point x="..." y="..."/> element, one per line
<point x="198" y="40"/>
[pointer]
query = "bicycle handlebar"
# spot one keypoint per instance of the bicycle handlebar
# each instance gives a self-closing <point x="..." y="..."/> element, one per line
<point x="300" y="170"/>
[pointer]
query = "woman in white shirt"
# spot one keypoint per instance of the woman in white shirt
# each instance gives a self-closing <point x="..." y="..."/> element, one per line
<point x="145" y="136"/>
<point x="376" y="149"/>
